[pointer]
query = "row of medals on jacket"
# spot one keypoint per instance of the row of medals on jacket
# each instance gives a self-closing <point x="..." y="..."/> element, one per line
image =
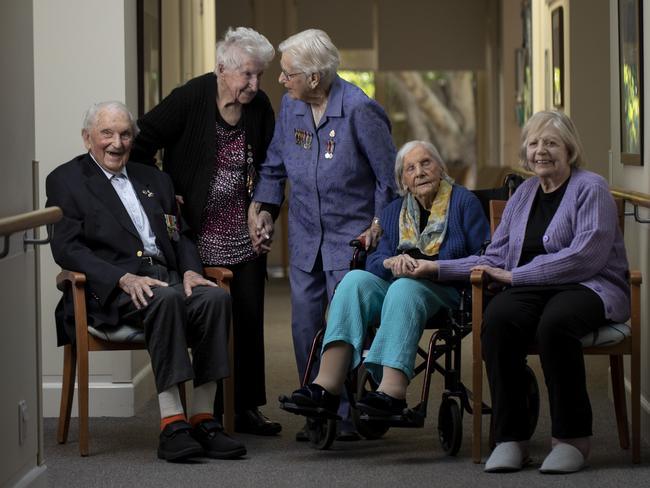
<point x="304" y="138"/>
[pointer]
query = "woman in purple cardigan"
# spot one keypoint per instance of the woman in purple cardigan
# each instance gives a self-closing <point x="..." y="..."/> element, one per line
<point x="560" y="254"/>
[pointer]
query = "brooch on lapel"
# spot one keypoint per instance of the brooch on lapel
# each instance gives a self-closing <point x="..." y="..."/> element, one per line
<point x="148" y="192"/>
<point x="171" y="222"/>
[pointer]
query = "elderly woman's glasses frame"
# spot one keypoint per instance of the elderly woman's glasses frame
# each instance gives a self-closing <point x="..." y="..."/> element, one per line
<point x="289" y="76"/>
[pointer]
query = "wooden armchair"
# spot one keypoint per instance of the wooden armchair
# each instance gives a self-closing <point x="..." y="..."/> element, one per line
<point x="629" y="345"/>
<point x="88" y="339"/>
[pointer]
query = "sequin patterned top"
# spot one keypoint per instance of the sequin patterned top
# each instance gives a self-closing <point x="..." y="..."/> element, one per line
<point x="224" y="238"/>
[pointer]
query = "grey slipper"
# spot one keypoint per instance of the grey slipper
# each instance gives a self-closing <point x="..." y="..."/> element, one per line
<point x="563" y="458"/>
<point x="507" y="457"/>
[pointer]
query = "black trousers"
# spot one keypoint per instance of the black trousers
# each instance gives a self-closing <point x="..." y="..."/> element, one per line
<point x="247" y="292"/>
<point x="555" y="318"/>
<point x="173" y="322"/>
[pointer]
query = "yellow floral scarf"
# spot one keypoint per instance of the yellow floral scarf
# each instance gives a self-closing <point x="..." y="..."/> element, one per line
<point x="429" y="240"/>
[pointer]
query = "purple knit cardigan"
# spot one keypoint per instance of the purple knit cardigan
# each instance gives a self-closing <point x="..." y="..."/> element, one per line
<point x="583" y="242"/>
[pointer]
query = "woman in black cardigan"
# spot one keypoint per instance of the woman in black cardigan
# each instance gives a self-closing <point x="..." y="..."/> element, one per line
<point x="214" y="132"/>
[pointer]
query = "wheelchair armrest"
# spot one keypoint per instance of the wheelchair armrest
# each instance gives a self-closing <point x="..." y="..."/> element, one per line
<point x="358" y="243"/>
<point x="359" y="254"/>
<point x="73" y="277"/>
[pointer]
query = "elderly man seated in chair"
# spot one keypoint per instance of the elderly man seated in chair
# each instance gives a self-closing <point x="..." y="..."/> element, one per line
<point x="122" y="229"/>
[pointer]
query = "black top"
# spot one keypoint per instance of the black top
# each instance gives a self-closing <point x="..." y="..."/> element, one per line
<point x="544" y="207"/>
<point x="183" y="125"/>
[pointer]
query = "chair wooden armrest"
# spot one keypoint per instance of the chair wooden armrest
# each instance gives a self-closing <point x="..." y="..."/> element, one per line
<point x="72" y="277"/>
<point x="222" y="277"/>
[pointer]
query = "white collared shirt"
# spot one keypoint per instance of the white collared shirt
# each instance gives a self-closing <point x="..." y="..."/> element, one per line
<point x="125" y="191"/>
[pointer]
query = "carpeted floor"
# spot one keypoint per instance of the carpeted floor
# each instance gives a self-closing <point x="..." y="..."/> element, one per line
<point x="123" y="451"/>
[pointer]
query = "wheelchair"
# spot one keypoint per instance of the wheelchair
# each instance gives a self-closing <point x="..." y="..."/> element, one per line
<point x="443" y="355"/>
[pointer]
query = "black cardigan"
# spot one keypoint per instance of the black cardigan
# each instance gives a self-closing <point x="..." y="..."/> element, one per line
<point x="183" y="125"/>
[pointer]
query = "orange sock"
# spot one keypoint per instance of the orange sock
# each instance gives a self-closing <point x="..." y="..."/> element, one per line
<point x="164" y="422"/>
<point x="196" y="419"/>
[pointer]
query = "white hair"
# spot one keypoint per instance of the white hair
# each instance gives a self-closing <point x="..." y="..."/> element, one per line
<point x="240" y="43"/>
<point x="407" y="148"/>
<point x="90" y="117"/>
<point x="312" y="51"/>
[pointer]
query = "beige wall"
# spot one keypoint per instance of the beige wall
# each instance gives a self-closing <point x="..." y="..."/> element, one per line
<point x="510" y="40"/>
<point x="21" y="461"/>
<point x="589" y="75"/>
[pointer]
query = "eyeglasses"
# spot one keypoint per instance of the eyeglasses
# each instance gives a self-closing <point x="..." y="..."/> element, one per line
<point x="289" y="76"/>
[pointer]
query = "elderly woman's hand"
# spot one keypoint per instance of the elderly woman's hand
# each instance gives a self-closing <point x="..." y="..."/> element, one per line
<point x="371" y="235"/>
<point x="401" y="265"/>
<point x="497" y="274"/>
<point x="260" y="228"/>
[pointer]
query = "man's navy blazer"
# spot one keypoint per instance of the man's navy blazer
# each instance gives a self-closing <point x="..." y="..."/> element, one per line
<point x="97" y="237"/>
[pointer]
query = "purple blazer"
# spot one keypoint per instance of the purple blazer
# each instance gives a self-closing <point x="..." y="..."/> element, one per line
<point x="340" y="173"/>
<point x="583" y="242"/>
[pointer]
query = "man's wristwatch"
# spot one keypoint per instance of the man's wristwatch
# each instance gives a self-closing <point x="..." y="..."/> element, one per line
<point x="375" y="221"/>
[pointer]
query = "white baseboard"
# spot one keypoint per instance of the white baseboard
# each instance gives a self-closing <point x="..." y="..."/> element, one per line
<point x="34" y="478"/>
<point x="106" y="399"/>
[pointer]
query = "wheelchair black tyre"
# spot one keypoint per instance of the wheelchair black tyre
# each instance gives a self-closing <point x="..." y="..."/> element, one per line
<point x="321" y="433"/>
<point x="450" y="426"/>
<point x="369" y="429"/>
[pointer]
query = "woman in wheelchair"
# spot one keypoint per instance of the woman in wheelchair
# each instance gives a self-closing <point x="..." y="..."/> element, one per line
<point x="560" y="255"/>
<point x="434" y="219"/>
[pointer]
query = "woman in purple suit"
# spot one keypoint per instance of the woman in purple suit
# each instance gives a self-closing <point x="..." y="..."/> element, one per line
<point x="333" y="144"/>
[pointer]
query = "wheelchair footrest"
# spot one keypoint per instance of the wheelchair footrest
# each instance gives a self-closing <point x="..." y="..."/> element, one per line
<point x="313" y="412"/>
<point x="409" y="418"/>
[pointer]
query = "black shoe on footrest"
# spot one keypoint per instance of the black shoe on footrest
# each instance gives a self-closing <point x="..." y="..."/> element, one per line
<point x="314" y="395"/>
<point x="378" y="403"/>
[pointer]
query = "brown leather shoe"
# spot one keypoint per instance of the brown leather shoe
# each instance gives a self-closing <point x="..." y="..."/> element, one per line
<point x="253" y="421"/>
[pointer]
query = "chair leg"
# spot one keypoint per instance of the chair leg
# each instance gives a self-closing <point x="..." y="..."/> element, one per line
<point x="67" y="392"/>
<point x="618" y="390"/>
<point x="82" y="383"/>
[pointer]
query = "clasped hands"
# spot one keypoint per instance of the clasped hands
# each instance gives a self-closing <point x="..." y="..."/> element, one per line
<point x="406" y="266"/>
<point x="260" y="228"/>
<point x="139" y="288"/>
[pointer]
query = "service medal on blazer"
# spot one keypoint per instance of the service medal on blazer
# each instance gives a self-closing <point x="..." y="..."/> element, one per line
<point x="171" y="223"/>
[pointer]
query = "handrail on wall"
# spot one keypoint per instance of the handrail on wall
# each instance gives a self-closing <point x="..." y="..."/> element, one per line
<point x="25" y="221"/>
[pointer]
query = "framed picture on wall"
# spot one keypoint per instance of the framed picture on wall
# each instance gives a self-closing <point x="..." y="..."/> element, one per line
<point x="557" y="35"/>
<point x="631" y="80"/>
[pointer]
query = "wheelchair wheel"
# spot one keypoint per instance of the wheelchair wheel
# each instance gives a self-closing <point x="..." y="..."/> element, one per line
<point x="450" y="426"/>
<point x="532" y="398"/>
<point x="369" y="429"/>
<point x="321" y="432"/>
